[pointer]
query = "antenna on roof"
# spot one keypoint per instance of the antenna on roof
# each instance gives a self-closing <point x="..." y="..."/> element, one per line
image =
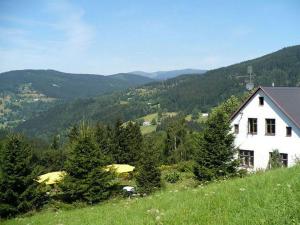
<point x="250" y="84"/>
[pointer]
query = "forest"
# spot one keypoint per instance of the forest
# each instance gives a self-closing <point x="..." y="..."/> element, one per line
<point x="89" y="148"/>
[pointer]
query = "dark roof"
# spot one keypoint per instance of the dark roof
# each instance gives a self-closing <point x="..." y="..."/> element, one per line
<point x="286" y="98"/>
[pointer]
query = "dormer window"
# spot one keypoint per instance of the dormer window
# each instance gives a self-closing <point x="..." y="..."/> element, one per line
<point x="261" y="101"/>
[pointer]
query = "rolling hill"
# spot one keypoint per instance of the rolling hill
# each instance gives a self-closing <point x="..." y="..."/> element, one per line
<point x="27" y="93"/>
<point x="163" y="75"/>
<point x="61" y="85"/>
<point x="184" y="93"/>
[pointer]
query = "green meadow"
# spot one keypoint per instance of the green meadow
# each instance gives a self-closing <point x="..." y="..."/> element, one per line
<point x="272" y="197"/>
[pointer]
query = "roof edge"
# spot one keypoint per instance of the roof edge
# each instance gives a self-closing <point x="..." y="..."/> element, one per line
<point x="245" y="102"/>
<point x="272" y="99"/>
<point x="281" y="108"/>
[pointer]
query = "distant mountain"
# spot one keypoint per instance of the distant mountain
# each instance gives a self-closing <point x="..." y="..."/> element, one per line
<point x="184" y="93"/>
<point x="163" y="75"/>
<point x="61" y="85"/>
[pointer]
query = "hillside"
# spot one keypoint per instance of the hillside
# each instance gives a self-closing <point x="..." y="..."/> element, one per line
<point x="163" y="75"/>
<point x="27" y="93"/>
<point x="184" y="93"/>
<point x="56" y="84"/>
<point x="265" y="198"/>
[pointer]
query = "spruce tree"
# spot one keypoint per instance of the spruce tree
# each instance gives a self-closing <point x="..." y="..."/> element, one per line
<point x="55" y="143"/>
<point x="87" y="179"/>
<point x="148" y="176"/>
<point x="215" y="157"/>
<point x="103" y="135"/>
<point x="73" y="133"/>
<point x="118" y="142"/>
<point x="19" y="192"/>
<point x="134" y="141"/>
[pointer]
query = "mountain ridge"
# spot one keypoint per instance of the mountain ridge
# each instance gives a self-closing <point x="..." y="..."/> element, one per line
<point x="163" y="75"/>
<point x="56" y="84"/>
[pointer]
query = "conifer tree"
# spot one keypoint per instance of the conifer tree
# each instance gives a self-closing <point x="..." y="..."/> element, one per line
<point x="19" y="192"/>
<point x="55" y="143"/>
<point x="87" y="179"/>
<point x="215" y="157"/>
<point x="73" y="133"/>
<point x="176" y="133"/>
<point x="134" y="142"/>
<point x="118" y="142"/>
<point x="103" y="135"/>
<point x="148" y="176"/>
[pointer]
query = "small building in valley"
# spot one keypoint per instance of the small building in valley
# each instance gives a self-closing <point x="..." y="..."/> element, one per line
<point x="146" y="123"/>
<point x="268" y="120"/>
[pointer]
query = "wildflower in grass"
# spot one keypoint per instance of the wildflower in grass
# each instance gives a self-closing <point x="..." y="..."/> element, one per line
<point x="278" y="185"/>
<point x="242" y="189"/>
<point x="288" y="185"/>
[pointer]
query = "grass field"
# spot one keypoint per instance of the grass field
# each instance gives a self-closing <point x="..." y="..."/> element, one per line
<point x="265" y="198"/>
<point x="149" y="118"/>
<point x="148" y="129"/>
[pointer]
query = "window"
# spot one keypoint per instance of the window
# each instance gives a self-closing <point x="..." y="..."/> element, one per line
<point x="270" y="126"/>
<point x="284" y="159"/>
<point x="261" y="100"/>
<point x="252" y="125"/>
<point x="236" y="128"/>
<point x="246" y="158"/>
<point x="288" y="131"/>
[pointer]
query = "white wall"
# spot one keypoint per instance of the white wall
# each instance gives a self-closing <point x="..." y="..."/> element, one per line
<point x="260" y="143"/>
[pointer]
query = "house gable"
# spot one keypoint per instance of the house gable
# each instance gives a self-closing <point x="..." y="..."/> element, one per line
<point x="260" y="144"/>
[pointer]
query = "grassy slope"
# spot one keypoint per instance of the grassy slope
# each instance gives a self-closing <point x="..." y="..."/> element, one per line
<point x="266" y="198"/>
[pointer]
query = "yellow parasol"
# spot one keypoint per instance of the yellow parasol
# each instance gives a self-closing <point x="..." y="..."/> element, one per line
<point x="120" y="168"/>
<point x="51" y="178"/>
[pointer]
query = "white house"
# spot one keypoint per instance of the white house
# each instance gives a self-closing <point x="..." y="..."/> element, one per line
<point x="146" y="123"/>
<point x="269" y="119"/>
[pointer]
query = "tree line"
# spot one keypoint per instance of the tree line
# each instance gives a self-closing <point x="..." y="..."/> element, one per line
<point x="90" y="148"/>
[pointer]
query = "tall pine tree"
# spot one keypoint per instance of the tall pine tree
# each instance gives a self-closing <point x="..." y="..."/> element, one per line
<point x="19" y="192"/>
<point x="215" y="157"/>
<point x="134" y="143"/>
<point x="148" y="175"/>
<point x="87" y="179"/>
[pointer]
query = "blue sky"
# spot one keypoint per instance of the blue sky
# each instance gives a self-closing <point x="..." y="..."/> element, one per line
<point x="111" y="36"/>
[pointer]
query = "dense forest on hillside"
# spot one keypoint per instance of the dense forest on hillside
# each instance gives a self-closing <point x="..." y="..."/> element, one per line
<point x="59" y="85"/>
<point x="184" y="93"/>
<point x="28" y="93"/>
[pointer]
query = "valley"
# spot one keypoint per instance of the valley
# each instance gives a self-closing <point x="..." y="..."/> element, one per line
<point x="186" y="94"/>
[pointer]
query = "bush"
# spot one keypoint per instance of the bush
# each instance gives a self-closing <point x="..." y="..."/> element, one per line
<point x="185" y="166"/>
<point x="275" y="160"/>
<point x="203" y="173"/>
<point x="242" y="172"/>
<point x="172" y="177"/>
